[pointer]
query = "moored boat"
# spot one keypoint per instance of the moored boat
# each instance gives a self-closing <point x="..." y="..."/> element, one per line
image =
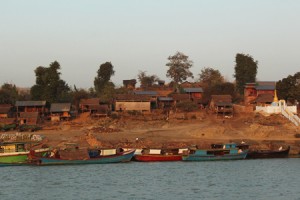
<point x="224" y="152"/>
<point x="15" y="153"/>
<point x="277" y="153"/>
<point x="82" y="156"/>
<point x="159" y="155"/>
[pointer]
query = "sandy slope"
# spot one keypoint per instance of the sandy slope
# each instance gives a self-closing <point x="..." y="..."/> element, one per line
<point x="200" y="128"/>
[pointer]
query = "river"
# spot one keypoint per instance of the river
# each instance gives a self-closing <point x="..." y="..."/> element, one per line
<point x="244" y="179"/>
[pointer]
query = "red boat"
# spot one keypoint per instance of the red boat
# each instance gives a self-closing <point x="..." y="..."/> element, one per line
<point x="158" y="155"/>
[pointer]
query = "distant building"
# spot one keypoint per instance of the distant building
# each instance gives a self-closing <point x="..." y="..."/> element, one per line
<point x="60" y="111"/>
<point x="255" y="90"/>
<point x="132" y="102"/>
<point x="195" y="94"/>
<point x="30" y="112"/>
<point x="94" y="106"/>
<point x="5" y="110"/>
<point x="221" y="104"/>
<point x="129" y="84"/>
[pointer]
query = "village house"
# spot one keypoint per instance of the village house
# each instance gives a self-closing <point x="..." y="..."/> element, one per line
<point x="94" y="107"/>
<point x="152" y="94"/>
<point x="194" y="93"/>
<point x="132" y="102"/>
<point x="60" y="111"/>
<point x="30" y="112"/>
<point x="6" y="114"/>
<point x="263" y="100"/>
<point x="29" y="118"/>
<point x="165" y="102"/>
<point x="259" y="90"/>
<point x="221" y="105"/>
<point x="5" y="110"/>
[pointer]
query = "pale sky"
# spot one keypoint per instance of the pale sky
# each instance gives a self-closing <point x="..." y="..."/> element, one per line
<point x="139" y="35"/>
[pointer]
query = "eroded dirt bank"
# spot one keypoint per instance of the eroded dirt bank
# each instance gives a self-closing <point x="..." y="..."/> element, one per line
<point x="179" y="130"/>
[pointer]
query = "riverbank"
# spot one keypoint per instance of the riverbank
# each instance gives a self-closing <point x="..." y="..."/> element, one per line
<point x="180" y="130"/>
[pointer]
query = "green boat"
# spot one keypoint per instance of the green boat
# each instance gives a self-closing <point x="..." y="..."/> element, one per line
<point x="13" y="153"/>
<point x="16" y="153"/>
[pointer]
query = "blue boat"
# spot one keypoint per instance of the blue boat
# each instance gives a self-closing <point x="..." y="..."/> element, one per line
<point x="124" y="156"/>
<point x="217" y="152"/>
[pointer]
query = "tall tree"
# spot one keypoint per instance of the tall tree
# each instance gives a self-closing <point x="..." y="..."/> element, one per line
<point x="146" y="80"/>
<point x="8" y="93"/>
<point x="245" y="71"/>
<point x="210" y="79"/>
<point x="179" y="68"/>
<point x="78" y="94"/>
<point x="49" y="86"/>
<point x="289" y="87"/>
<point x="210" y="76"/>
<point x="104" y="73"/>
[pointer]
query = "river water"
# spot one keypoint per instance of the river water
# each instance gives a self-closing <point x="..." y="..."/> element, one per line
<point x="244" y="179"/>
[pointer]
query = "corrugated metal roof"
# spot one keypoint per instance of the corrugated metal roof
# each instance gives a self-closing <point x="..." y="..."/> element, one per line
<point x="165" y="99"/>
<point x="30" y="103"/>
<point x="264" y="98"/>
<point x="265" y="87"/>
<point x="152" y="93"/>
<point x="60" y="107"/>
<point x="193" y="90"/>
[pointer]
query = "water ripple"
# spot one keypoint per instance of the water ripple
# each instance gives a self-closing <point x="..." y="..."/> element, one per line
<point x="247" y="179"/>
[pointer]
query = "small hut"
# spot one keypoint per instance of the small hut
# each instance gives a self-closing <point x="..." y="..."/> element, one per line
<point x="222" y="104"/>
<point x="60" y="111"/>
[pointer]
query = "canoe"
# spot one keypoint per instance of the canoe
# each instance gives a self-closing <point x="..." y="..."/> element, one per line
<point x="228" y="152"/>
<point x="280" y="153"/>
<point x="124" y="156"/>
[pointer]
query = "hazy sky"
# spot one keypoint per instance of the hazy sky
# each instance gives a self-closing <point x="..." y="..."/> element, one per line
<point x="139" y="35"/>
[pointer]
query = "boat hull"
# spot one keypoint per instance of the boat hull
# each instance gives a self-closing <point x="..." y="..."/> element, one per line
<point x="192" y="157"/>
<point x="122" y="157"/>
<point x="157" y="158"/>
<point x="13" y="158"/>
<point x="268" y="154"/>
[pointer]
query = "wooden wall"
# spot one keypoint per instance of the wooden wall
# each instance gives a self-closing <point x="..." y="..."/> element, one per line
<point x="140" y="106"/>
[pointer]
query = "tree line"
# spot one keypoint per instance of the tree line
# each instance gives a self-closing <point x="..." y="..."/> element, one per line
<point x="50" y="87"/>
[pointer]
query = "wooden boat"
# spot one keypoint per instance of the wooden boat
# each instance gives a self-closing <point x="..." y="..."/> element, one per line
<point x="158" y="155"/>
<point x="279" y="153"/>
<point x="227" y="152"/>
<point x="15" y="153"/>
<point x="81" y="156"/>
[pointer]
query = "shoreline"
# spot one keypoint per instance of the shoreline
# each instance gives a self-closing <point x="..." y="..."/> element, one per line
<point x="200" y="129"/>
